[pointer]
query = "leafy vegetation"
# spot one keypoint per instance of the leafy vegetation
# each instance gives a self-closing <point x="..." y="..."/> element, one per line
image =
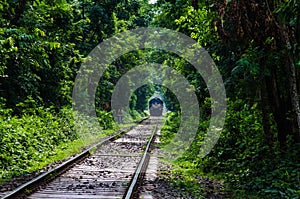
<point x="255" y="45"/>
<point x="32" y="138"/>
<point x="241" y="157"/>
<point x="42" y="45"/>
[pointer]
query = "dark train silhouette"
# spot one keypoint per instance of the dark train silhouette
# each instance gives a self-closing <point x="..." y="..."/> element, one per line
<point x="156" y="106"/>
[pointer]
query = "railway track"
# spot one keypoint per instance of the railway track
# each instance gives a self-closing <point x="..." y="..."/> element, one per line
<point x="111" y="169"/>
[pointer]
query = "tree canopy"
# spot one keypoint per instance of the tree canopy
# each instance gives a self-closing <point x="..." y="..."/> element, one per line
<point x="255" y="45"/>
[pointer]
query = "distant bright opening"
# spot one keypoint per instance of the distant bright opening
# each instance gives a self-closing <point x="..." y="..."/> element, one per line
<point x="152" y="1"/>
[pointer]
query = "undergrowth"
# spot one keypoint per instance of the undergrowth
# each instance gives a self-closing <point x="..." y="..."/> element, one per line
<point x="39" y="136"/>
<point x="31" y="138"/>
<point x="249" y="167"/>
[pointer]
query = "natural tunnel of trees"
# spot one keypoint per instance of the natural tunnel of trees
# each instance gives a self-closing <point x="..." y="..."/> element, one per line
<point x="255" y="45"/>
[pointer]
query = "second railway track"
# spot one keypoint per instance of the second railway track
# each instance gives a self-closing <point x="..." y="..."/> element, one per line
<point x="112" y="171"/>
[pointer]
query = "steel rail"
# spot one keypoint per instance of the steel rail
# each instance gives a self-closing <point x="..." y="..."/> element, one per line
<point x="141" y="169"/>
<point x="26" y="188"/>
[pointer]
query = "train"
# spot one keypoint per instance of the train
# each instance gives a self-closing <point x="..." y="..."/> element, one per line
<point x="156" y="107"/>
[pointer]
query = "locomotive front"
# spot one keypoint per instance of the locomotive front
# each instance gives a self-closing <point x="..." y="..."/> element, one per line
<point x="156" y="107"/>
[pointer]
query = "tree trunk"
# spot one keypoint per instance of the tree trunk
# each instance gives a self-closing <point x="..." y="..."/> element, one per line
<point x="265" y="108"/>
<point x="293" y="83"/>
<point x="294" y="98"/>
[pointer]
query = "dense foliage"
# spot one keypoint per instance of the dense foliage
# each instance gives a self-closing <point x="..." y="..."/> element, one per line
<point x="32" y="138"/>
<point x="42" y="45"/>
<point x="255" y="45"/>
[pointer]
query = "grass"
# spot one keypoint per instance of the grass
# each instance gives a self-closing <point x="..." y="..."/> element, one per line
<point x="62" y="152"/>
<point x="66" y="150"/>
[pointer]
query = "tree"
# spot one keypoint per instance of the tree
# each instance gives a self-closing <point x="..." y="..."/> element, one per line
<point x="262" y="44"/>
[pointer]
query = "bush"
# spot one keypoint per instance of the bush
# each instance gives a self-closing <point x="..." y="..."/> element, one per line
<point x="241" y="157"/>
<point x="105" y="119"/>
<point x="170" y="127"/>
<point x="32" y="137"/>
